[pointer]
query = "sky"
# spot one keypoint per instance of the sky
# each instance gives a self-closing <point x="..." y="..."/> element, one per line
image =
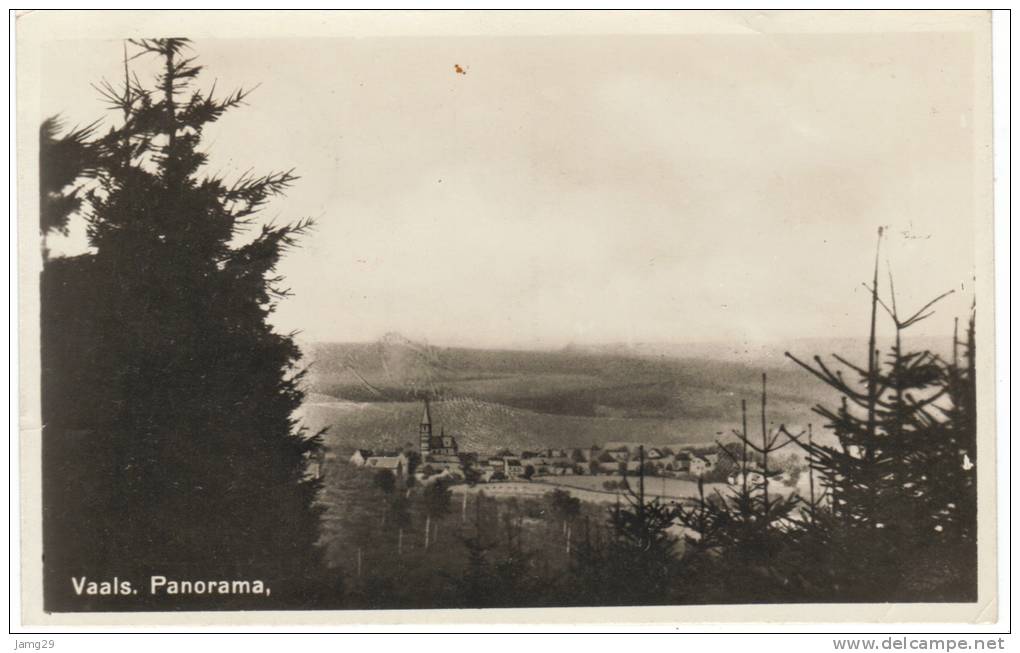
<point x="595" y="189"/>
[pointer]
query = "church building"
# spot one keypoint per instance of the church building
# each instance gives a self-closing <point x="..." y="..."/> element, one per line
<point x="434" y="445"/>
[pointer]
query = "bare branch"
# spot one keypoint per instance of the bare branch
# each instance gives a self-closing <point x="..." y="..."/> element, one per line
<point x="914" y="318"/>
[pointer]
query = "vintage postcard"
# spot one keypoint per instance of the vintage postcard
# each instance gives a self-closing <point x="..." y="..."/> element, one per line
<point x="559" y="317"/>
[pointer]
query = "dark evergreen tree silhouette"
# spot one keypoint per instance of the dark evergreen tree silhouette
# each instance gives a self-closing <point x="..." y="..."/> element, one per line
<point x="476" y="581"/>
<point x="952" y="487"/>
<point x="64" y="161"/>
<point x="736" y="538"/>
<point x="436" y="498"/>
<point x="515" y="584"/>
<point x="170" y="411"/>
<point x="589" y="571"/>
<point x="640" y="554"/>
<point x="896" y="481"/>
<point x="894" y="513"/>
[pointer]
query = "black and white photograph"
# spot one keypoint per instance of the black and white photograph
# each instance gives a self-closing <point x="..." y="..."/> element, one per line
<point x="488" y="310"/>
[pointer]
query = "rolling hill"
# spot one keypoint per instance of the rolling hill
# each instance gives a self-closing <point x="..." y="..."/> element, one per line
<point x="368" y="394"/>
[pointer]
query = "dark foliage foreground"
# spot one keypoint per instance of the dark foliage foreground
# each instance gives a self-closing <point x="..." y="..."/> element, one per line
<point x="169" y="446"/>
<point x="892" y="510"/>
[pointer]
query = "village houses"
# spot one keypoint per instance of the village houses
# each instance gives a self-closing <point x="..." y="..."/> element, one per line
<point x="439" y="456"/>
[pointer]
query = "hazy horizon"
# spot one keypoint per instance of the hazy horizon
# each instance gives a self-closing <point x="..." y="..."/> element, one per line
<point x="935" y="342"/>
<point x="592" y="190"/>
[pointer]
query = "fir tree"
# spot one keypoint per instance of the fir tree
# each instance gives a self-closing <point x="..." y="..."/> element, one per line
<point x="476" y="581"/>
<point x="199" y="466"/>
<point x="590" y="572"/>
<point x="897" y="466"/>
<point x="514" y="571"/>
<point x="64" y="160"/>
<point x="952" y="485"/>
<point x="436" y="499"/>
<point x="641" y="553"/>
<point x="736" y="539"/>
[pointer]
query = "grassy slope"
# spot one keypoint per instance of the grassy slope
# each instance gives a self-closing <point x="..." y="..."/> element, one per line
<point x="368" y="395"/>
<point x="486" y="427"/>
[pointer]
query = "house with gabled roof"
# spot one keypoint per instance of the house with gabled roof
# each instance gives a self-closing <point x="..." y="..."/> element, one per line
<point x="396" y="464"/>
<point x="620" y="456"/>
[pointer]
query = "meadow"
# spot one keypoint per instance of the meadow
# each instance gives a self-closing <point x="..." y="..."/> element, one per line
<point x="369" y="395"/>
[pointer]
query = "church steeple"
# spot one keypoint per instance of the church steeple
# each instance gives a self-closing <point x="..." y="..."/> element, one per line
<point x="426" y="418"/>
<point x="425" y="431"/>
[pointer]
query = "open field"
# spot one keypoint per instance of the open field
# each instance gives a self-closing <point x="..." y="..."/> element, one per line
<point x="368" y="395"/>
<point x="669" y="489"/>
<point x="486" y="427"/>
<point x="576" y="382"/>
<point x="665" y="488"/>
<point x="591" y="490"/>
<point x="539" y="488"/>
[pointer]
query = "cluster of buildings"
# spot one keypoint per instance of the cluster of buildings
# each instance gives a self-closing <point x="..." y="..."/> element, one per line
<point x="440" y="456"/>
<point x="671" y="460"/>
